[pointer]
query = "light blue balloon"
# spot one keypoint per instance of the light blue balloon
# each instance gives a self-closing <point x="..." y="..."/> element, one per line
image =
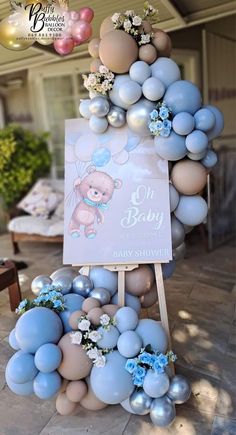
<point x="130" y="301"/>
<point x="130" y="92"/>
<point x="73" y="303"/>
<point x="112" y="383"/>
<point x="25" y="389"/>
<point x="114" y="93"/>
<point x="129" y="344"/>
<point x="84" y="108"/>
<point x="13" y="341"/>
<point x="133" y="141"/>
<point x="204" y="119"/>
<point x="109" y="337"/>
<point x="156" y="384"/>
<point x="46" y="385"/>
<point x="183" y="96"/>
<point x="126" y="405"/>
<point x="172" y="147"/>
<point x="166" y="70"/>
<point x="196" y="142"/>
<point x="183" y="123"/>
<point x="210" y="159"/>
<point x="174" y="197"/>
<point x="36" y="327"/>
<point x="168" y="269"/>
<point x="197" y="156"/>
<point x="219" y="124"/>
<point x="98" y="125"/>
<point x="153" y="89"/>
<point x="153" y="333"/>
<point x="140" y="71"/>
<point x="48" y="358"/>
<point x="101" y="156"/>
<point x="191" y="210"/>
<point x="104" y="278"/>
<point x="126" y="319"/>
<point x="21" y="367"/>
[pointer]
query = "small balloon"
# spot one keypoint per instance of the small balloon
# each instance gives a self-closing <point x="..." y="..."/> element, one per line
<point x="12" y="340"/>
<point x="98" y="125"/>
<point x="101" y="294"/>
<point x="174" y="197"/>
<point x="140" y="402"/>
<point x="139" y="72"/>
<point x="116" y="117"/>
<point x="86" y="14"/>
<point x="138" y="117"/>
<point x="93" y="47"/>
<point x="156" y="384"/>
<point x="162" y="43"/>
<point x="153" y="89"/>
<point x="191" y="210"/>
<point x="130" y="92"/>
<point x="104" y="278"/>
<point x="147" y="53"/>
<point x="153" y="333"/>
<point x="179" y="390"/>
<point x="130" y="300"/>
<point x="84" y="108"/>
<point x="63" y="405"/>
<point x="172" y="147"/>
<point x="126" y="319"/>
<point x="179" y="252"/>
<point x="81" y="31"/>
<point x="39" y="282"/>
<point x="48" y="357"/>
<point x="109" y="337"/>
<point x="210" y="159"/>
<point x="63" y="283"/>
<point x="165" y="70"/>
<point x="99" y="106"/>
<point x="219" y="124"/>
<point x="46" y="385"/>
<point x="73" y="302"/>
<point x="76" y="390"/>
<point x="82" y="285"/>
<point x="183" y="96"/>
<point x="204" y="119"/>
<point x="114" y="93"/>
<point x="177" y="232"/>
<point x="63" y="46"/>
<point x="129" y="344"/>
<point x="162" y="412"/>
<point x="21" y="367"/>
<point x="196" y="142"/>
<point x="183" y="123"/>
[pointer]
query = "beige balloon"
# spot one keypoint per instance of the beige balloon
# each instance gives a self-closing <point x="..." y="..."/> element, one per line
<point x="139" y="281"/>
<point x="76" y="390"/>
<point x="145" y="27"/>
<point x="93" y="47"/>
<point x="147" y="53"/>
<point x="110" y="309"/>
<point x="64" y="384"/>
<point x="189" y="177"/>
<point x="63" y="405"/>
<point x="118" y="51"/>
<point x="90" y="401"/>
<point x="106" y="26"/>
<point x="95" y="65"/>
<point x="149" y="298"/>
<point x="74" y="318"/>
<point x="46" y="41"/>
<point x="162" y="42"/>
<point x="75" y="364"/>
<point x="89" y="304"/>
<point x="94" y="315"/>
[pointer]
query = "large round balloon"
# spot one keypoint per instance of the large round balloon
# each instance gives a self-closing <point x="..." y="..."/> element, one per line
<point x="104" y="278"/>
<point x="155" y="384"/>
<point x="48" y="358"/>
<point x="191" y="210"/>
<point x="21" y="367"/>
<point x="152" y="332"/>
<point x="219" y="124"/>
<point x="126" y="319"/>
<point x="46" y="385"/>
<point x="112" y="383"/>
<point x="73" y="303"/>
<point x="172" y="147"/>
<point x="117" y="51"/>
<point x="138" y="117"/>
<point x="12" y="340"/>
<point x="204" y="119"/>
<point x="183" y="96"/>
<point x="189" y="177"/>
<point x="75" y="363"/>
<point x="25" y="389"/>
<point x="139" y="281"/>
<point x="165" y="70"/>
<point x="140" y="71"/>
<point x="37" y="327"/>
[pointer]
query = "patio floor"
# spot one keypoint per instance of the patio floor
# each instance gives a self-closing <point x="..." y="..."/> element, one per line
<point x="201" y="305"/>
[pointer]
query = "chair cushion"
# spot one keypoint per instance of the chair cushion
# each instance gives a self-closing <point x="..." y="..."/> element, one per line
<point x="36" y="225"/>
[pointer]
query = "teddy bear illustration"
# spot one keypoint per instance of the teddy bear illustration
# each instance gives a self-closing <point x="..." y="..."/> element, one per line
<point x="95" y="191"/>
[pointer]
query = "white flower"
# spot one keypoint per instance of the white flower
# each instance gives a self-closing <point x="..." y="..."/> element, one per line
<point x="76" y="337"/>
<point x="137" y="21"/>
<point x="100" y="361"/>
<point x="145" y="39"/>
<point x="115" y="17"/>
<point x="103" y="69"/>
<point x="84" y="325"/>
<point x="91" y="80"/>
<point x="110" y="76"/>
<point x="127" y="25"/>
<point x="93" y="353"/>
<point x="95" y="336"/>
<point x="105" y="320"/>
<point x="130" y="13"/>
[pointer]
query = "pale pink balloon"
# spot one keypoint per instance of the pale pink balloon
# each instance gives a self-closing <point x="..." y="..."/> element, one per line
<point x="86" y="14"/>
<point x="64" y="46"/>
<point x="74" y="15"/>
<point x="81" y="31"/>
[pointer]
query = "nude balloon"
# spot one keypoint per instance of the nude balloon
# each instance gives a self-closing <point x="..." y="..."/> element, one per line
<point x="162" y="43"/>
<point x="63" y="405"/>
<point x="189" y="177"/>
<point x="139" y="281"/>
<point x="75" y="363"/>
<point x="117" y="51"/>
<point x="106" y="26"/>
<point x="93" y="47"/>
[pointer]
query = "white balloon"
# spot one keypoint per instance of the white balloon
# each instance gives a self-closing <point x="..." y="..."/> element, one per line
<point x="153" y="89"/>
<point x="140" y="71"/>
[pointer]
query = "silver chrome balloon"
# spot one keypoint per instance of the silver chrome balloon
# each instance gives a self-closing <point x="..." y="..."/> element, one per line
<point x="39" y="282"/>
<point x="177" y="232"/>
<point x="101" y="294"/>
<point x="63" y="283"/>
<point x="138" y="117"/>
<point x="179" y="390"/>
<point x="82" y="285"/>
<point x="99" y="106"/>
<point x="64" y="271"/>
<point x="116" y="117"/>
<point x="162" y="411"/>
<point x="140" y="402"/>
<point x="179" y="252"/>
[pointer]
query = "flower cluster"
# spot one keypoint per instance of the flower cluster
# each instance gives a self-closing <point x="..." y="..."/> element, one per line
<point x="88" y="336"/>
<point x="161" y="121"/>
<point x="101" y="81"/>
<point x="49" y="297"/>
<point x="131" y="23"/>
<point x="138" y="367"/>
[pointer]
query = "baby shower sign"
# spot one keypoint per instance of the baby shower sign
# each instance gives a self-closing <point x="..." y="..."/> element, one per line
<point x="116" y="198"/>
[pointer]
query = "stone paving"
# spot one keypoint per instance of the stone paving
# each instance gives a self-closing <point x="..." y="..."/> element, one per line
<point x="201" y="305"/>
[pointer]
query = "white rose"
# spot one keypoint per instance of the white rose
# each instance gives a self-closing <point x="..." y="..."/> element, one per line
<point x="137" y="21"/>
<point x="100" y="361"/>
<point x="84" y="325"/>
<point x="95" y="336"/>
<point x="105" y="320"/>
<point x="127" y="24"/>
<point x="93" y="353"/>
<point x="103" y="69"/>
<point x="145" y="39"/>
<point x="115" y="17"/>
<point x="76" y="337"/>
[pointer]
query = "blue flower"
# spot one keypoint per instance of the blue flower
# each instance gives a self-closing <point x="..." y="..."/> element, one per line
<point x="163" y="112"/>
<point x="40" y="298"/>
<point x="153" y="127"/>
<point x="165" y="132"/>
<point x="146" y="358"/>
<point x="140" y="372"/>
<point x="45" y="289"/>
<point x="157" y="367"/>
<point x="159" y="125"/>
<point x="162" y="360"/>
<point x="22" y="304"/>
<point x="138" y="381"/>
<point x="154" y="115"/>
<point x="130" y="365"/>
<point x="167" y="124"/>
<point x="57" y="304"/>
<point x="55" y="294"/>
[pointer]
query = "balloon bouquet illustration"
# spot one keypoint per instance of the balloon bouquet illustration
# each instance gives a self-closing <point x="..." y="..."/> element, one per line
<point x="94" y="193"/>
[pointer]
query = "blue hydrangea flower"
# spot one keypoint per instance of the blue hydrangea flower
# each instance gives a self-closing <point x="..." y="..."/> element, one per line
<point x="131" y="365"/>
<point x="22" y="304"/>
<point x="154" y="115"/>
<point x="146" y="358"/>
<point x="167" y="124"/>
<point x="163" y="112"/>
<point x="57" y="304"/>
<point x="138" y="381"/>
<point x="165" y="132"/>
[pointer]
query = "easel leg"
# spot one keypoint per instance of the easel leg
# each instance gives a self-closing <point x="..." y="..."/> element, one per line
<point x="121" y="288"/>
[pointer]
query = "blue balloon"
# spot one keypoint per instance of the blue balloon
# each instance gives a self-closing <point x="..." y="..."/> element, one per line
<point x="191" y="210"/>
<point x="36" y="327"/>
<point x="109" y="337"/>
<point x="197" y="156"/>
<point x="153" y="333"/>
<point x="48" y="358"/>
<point x="46" y="385"/>
<point x="196" y="142"/>
<point x="25" y="389"/>
<point x="183" y="96"/>
<point x="12" y="340"/>
<point x="130" y="301"/>
<point x="174" y="197"/>
<point x="210" y="159"/>
<point x="219" y="124"/>
<point x="21" y="367"/>
<point x="129" y="344"/>
<point x="204" y="119"/>
<point x="183" y="123"/>
<point x="114" y="93"/>
<point x="126" y="319"/>
<point x="104" y="278"/>
<point x="101" y="156"/>
<point x="168" y="269"/>
<point x="166" y="70"/>
<point x="172" y="147"/>
<point x="73" y="303"/>
<point x="112" y="383"/>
